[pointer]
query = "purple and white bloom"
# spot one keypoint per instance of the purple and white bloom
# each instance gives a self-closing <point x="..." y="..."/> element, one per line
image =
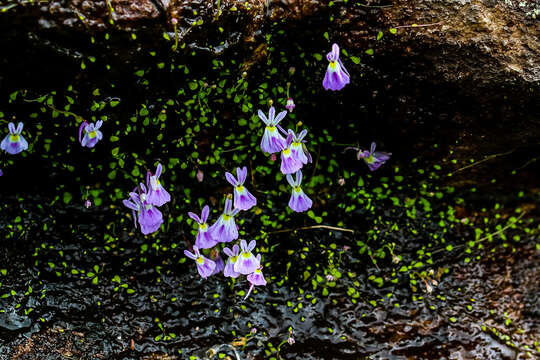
<point x="14" y="142"/>
<point x="298" y="148"/>
<point x="299" y="201"/>
<point x="220" y="265"/>
<point x="157" y="195"/>
<point x="205" y="239"/>
<point x="373" y="159"/>
<point x="257" y="277"/>
<point x="205" y="266"/>
<point x="272" y="140"/>
<point x="92" y="134"/>
<point x="1" y="172"/>
<point x="243" y="199"/>
<point x="134" y="203"/>
<point x="290" y="162"/>
<point x="233" y="257"/>
<point x="224" y="229"/>
<point x="150" y="218"/>
<point x="290" y="105"/>
<point x="336" y="76"/>
<point x="246" y="262"/>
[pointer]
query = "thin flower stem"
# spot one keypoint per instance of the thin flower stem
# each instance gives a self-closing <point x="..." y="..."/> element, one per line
<point x="489" y="157"/>
<point x="311" y="227"/>
<point x="416" y="25"/>
<point x="339" y="144"/>
<point x="252" y="174"/>
<point x="316" y="161"/>
<point x="527" y="163"/>
<point x="375" y="6"/>
<point x="175" y="46"/>
<point x="233" y="149"/>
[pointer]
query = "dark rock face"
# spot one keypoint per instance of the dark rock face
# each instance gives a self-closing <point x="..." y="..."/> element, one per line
<point x="473" y="65"/>
<point x="482" y="43"/>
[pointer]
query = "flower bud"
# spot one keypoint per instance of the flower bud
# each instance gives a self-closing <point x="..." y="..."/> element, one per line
<point x="290" y="105"/>
<point x="200" y="175"/>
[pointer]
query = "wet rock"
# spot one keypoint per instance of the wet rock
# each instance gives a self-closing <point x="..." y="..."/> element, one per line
<point x="11" y="321"/>
<point x="480" y="43"/>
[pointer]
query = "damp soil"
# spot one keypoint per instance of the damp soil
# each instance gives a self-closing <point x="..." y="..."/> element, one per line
<point x="488" y="308"/>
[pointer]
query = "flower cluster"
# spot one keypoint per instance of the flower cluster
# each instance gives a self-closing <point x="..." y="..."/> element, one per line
<point x="241" y="259"/>
<point x="294" y="155"/>
<point x="145" y="199"/>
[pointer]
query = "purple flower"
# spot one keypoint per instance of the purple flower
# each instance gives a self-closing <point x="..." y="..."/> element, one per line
<point x="257" y="277"/>
<point x="220" y="265"/>
<point x="373" y="159"/>
<point x="299" y="201"/>
<point x="224" y="230"/>
<point x="243" y="199"/>
<point x="205" y="238"/>
<point x="246" y="262"/>
<point x="290" y="105"/>
<point x="336" y="76"/>
<point x="233" y="257"/>
<point x="149" y="217"/>
<point x="298" y="148"/>
<point x="1" y="172"/>
<point x="134" y="203"/>
<point x="205" y="266"/>
<point x="92" y="134"/>
<point x="14" y="143"/>
<point x="272" y="140"/>
<point x="157" y="195"/>
<point x="87" y="203"/>
<point x="290" y="161"/>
